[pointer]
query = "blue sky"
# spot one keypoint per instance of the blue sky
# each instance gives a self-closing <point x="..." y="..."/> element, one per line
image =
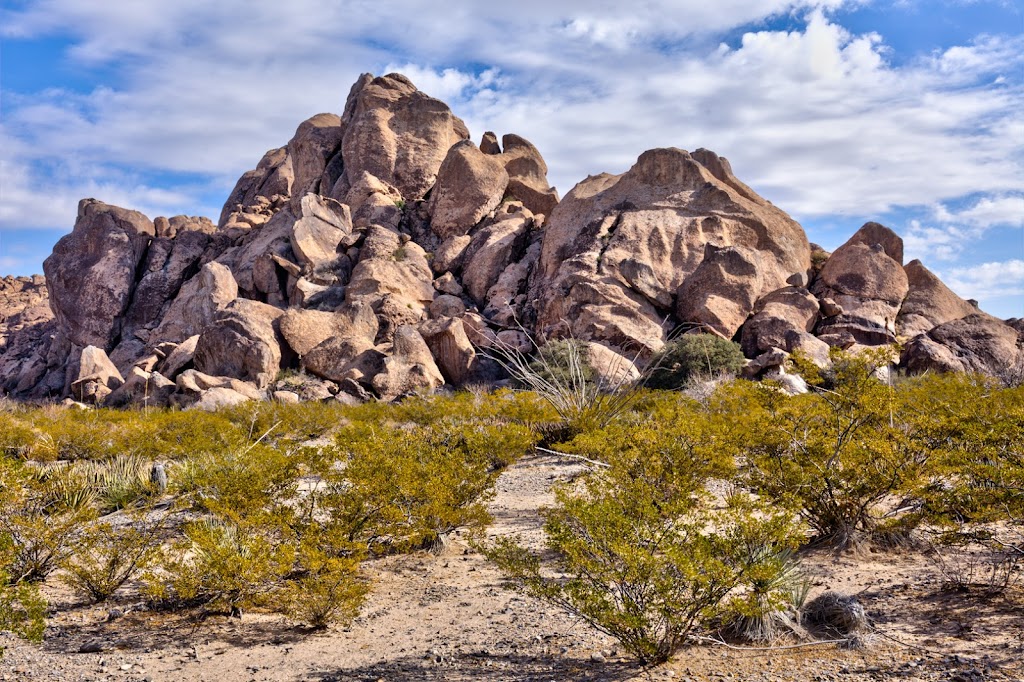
<point x="908" y="112"/>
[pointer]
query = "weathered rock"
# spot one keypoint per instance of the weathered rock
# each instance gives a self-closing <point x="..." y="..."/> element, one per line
<point x="610" y="368"/>
<point x="929" y="303"/>
<point x="447" y="284"/>
<point x="254" y="263"/>
<point x="198" y="303"/>
<point x="393" y="277"/>
<point x="315" y="141"/>
<point x="490" y="252"/>
<point x="451" y="348"/>
<point x="446" y="305"/>
<point x="617" y="249"/>
<point x="398" y="134"/>
<point x="976" y="343"/>
<point x="410" y="368"/>
<point x="489" y="143"/>
<point x="91" y="273"/>
<point x="242" y="343"/>
<point x="372" y="201"/>
<point x="192" y="383"/>
<point x="527" y="175"/>
<point x="215" y="399"/>
<point x="506" y="299"/>
<point x="316" y="234"/>
<point x="450" y="253"/>
<point x="775" y="315"/>
<point x="143" y="389"/>
<point x="180" y="358"/>
<point x="168" y="263"/>
<point x="868" y="284"/>
<point x="97" y="376"/>
<point x="512" y="340"/>
<point x="256" y="191"/>
<point x="470" y="184"/>
<point x="286" y="397"/>
<point x="720" y="294"/>
<point x="304" y="330"/>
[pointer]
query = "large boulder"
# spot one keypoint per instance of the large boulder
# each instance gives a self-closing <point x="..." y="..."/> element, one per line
<point x="868" y="284"/>
<point x="197" y="304"/>
<point x="776" y="315"/>
<point x="315" y="142"/>
<point x="470" y="184"/>
<point x="976" y="343"/>
<point x="97" y="376"/>
<point x="617" y="249"/>
<point x="491" y="250"/>
<point x="315" y="236"/>
<point x="408" y="368"/>
<point x="396" y="133"/>
<point x="242" y="343"/>
<point x="304" y="330"/>
<point x="527" y="175"/>
<point x="91" y="274"/>
<point x="451" y="348"/>
<point x="929" y="303"/>
<point x="259" y="192"/>
<point x="393" y="277"/>
<point x="720" y="293"/>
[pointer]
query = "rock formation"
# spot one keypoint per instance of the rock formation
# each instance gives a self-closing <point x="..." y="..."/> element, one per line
<point x="380" y="252"/>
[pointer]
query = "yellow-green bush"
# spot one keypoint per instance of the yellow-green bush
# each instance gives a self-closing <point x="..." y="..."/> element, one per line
<point x="106" y="557"/>
<point x="640" y="551"/>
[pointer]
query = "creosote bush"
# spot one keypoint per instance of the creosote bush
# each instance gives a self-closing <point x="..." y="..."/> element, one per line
<point x="641" y="551"/>
<point x="106" y="557"/>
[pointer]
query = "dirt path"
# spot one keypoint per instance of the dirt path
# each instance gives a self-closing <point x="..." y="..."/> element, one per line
<point x="447" y="617"/>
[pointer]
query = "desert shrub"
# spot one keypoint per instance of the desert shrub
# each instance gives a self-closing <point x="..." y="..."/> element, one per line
<point x="22" y="609"/>
<point x="16" y="436"/>
<point x="172" y="434"/>
<point x="561" y="361"/>
<point x="835" y="455"/>
<point x="691" y="355"/>
<point x="117" y="482"/>
<point x="38" y="522"/>
<point x="327" y="587"/>
<point x="239" y="483"/>
<point x="223" y="565"/>
<point x="403" y="488"/>
<point x="106" y="557"/>
<point x="639" y="550"/>
<point x="769" y="604"/>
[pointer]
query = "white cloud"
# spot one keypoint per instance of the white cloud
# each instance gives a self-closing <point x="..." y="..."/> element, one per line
<point x="989" y="280"/>
<point x="818" y="120"/>
<point x="986" y="212"/>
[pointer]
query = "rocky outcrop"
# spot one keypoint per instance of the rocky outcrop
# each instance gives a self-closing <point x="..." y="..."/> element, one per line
<point x="929" y="303"/>
<point x="976" y="343"/>
<point x="618" y="250"/>
<point x="868" y="283"/>
<point x="91" y="274"/>
<point x="470" y="184"/>
<point x="397" y="134"/>
<point x="381" y="253"/>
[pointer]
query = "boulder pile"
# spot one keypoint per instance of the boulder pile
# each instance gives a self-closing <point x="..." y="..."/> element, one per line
<point x="381" y="252"/>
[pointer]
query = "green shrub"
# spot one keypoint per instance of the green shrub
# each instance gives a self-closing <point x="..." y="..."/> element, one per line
<point x="106" y="558"/>
<point x="223" y="565"/>
<point x="328" y="587"/>
<point x="639" y="551"/>
<point x="22" y="609"/>
<point x="835" y="455"/>
<point x="409" y="488"/>
<point x="694" y="355"/>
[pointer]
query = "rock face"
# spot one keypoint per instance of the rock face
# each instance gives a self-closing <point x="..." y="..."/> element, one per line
<point x="91" y="272"/>
<point x="397" y="134"/>
<point x="868" y="283"/>
<point x="929" y="303"/>
<point x="976" y="343"/>
<point x="618" y="251"/>
<point x="380" y="253"/>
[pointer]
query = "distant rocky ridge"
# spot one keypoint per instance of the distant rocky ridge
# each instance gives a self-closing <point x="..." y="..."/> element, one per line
<point x="381" y="252"/>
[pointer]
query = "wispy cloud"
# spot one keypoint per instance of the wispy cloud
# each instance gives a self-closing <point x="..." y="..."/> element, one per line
<point x="989" y="280"/>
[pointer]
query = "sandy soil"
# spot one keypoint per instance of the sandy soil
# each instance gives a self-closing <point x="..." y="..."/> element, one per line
<point x="448" y="617"/>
